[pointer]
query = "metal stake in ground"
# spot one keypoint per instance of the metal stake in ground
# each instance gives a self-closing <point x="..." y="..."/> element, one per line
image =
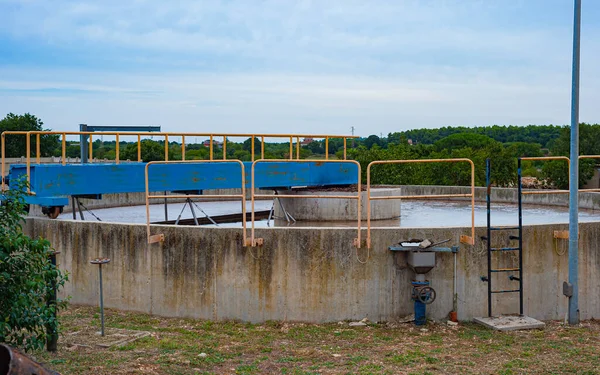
<point x="100" y="262"/>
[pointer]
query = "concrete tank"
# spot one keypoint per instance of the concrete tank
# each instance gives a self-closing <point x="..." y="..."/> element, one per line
<point x="339" y="209"/>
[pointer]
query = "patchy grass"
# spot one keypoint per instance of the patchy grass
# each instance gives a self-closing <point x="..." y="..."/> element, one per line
<point x="175" y="347"/>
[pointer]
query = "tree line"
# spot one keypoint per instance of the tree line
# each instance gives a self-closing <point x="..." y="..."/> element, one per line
<point x="501" y="144"/>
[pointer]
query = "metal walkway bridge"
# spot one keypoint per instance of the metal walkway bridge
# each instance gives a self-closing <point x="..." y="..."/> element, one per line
<point x="50" y="185"/>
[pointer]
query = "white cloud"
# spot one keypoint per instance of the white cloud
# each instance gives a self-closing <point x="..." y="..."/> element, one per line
<point x="308" y="66"/>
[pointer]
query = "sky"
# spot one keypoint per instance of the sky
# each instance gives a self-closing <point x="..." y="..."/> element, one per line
<point x="286" y="66"/>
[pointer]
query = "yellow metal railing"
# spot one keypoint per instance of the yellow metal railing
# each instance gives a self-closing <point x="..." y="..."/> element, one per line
<point x="546" y="158"/>
<point x="463" y="239"/>
<point x="259" y="241"/>
<point x="160" y="237"/>
<point x="166" y="135"/>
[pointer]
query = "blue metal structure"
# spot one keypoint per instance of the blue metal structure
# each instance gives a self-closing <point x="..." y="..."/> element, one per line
<point x="51" y="185"/>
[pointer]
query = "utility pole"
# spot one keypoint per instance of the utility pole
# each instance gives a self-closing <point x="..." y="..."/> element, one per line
<point x="572" y="287"/>
<point x="352" y="136"/>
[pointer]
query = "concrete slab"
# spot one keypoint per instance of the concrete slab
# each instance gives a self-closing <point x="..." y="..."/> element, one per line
<point x="510" y="323"/>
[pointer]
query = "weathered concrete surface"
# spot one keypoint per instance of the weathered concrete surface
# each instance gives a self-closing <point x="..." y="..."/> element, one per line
<point x="510" y="323"/>
<point x="307" y="274"/>
<point x="339" y="209"/>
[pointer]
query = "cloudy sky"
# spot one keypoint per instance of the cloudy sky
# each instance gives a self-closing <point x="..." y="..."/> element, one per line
<point x="295" y="66"/>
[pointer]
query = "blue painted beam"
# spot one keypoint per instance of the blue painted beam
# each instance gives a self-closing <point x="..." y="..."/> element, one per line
<point x="51" y="182"/>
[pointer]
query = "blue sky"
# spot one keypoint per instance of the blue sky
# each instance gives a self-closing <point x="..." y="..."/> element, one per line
<point x="295" y="66"/>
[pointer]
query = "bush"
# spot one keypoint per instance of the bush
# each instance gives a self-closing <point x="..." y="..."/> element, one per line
<point x="27" y="278"/>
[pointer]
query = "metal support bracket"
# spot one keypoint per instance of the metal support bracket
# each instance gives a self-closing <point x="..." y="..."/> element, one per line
<point x="567" y="289"/>
<point x="467" y="240"/>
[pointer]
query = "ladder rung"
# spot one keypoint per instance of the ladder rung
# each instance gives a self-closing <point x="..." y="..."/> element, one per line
<point x="504" y="228"/>
<point x="504" y="248"/>
<point x="505" y="270"/>
<point x="506" y="291"/>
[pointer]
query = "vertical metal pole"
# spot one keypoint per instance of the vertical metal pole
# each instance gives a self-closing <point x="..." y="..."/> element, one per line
<point x="520" y="203"/>
<point x="74" y="208"/>
<point x="166" y="208"/>
<point x="489" y="234"/>
<point x="574" y="178"/>
<point x="83" y="139"/>
<point x="101" y="303"/>
<point x="52" y="338"/>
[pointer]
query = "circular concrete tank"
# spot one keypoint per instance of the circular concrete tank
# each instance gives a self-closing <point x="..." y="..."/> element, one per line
<point x="338" y="209"/>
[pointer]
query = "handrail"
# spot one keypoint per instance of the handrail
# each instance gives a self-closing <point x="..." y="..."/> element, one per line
<point x="259" y="241"/>
<point x="546" y="158"/>
<point x="160" y="237"/>
<point x="166" y="135"/>
<point x="3" y="155"/>
<point x="463" y="239"/>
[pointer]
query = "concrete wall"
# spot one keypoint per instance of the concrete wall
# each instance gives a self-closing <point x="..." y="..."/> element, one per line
<point x="334" y="209"/>
<point x="306" y="274"/>
<point x="505" y="195"/>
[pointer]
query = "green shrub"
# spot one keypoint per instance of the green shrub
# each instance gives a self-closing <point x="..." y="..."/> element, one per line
<point x="27" y="278"/>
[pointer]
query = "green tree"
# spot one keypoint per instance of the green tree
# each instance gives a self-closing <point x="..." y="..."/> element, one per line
<point x="27" y="278"/>
<point x="16" y="144"/>
<point x="462" y="140"/>
<point x="151" y="151"/>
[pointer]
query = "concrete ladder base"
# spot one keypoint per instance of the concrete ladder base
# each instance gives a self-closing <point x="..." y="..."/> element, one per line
<point x="510" y="323"/>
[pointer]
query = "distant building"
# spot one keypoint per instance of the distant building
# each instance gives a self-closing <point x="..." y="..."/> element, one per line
<point x="307" y="141"/>
<point x="410" y="142"/>
<point x="215" y="143"/>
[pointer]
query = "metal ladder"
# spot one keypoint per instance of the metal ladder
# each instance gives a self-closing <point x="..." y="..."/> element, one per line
<point x="491" y="250"/>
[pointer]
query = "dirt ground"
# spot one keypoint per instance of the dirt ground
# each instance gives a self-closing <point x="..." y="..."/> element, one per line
<point x="188" y="346"/>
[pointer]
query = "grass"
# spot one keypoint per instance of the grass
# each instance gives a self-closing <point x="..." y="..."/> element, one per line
<point x="175" y="347"/>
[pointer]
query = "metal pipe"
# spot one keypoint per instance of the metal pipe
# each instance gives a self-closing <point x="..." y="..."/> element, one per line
<point x="255" y="241"/>
<point x="465" y="239"/>
<point x="291" y="148"/>
<point x="160" y="237"/>
<point x="251" y="148"/>
<point x="117" y="145"/>
<point x="64" y="152"/>
<point x="28" y="153"/>
<point x="13" y="362"/>
<point x="183" y="147"/>
<point x="91" y="149"/>
<point x="224" y="147"/>
<point x="434" y="196"/>
<point x="520" y="202"/>
<point x="38" y="148"/>
<point x="166" y="208"/>
<point x="166" y="147"/>
<point x="488" y="199"/>
<point x="125" y="133"/>
<point x="139" y="148"/>
<point x="455" y="287"/>
<point x="574" y="175"/>
<point x="101" y="302"/>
